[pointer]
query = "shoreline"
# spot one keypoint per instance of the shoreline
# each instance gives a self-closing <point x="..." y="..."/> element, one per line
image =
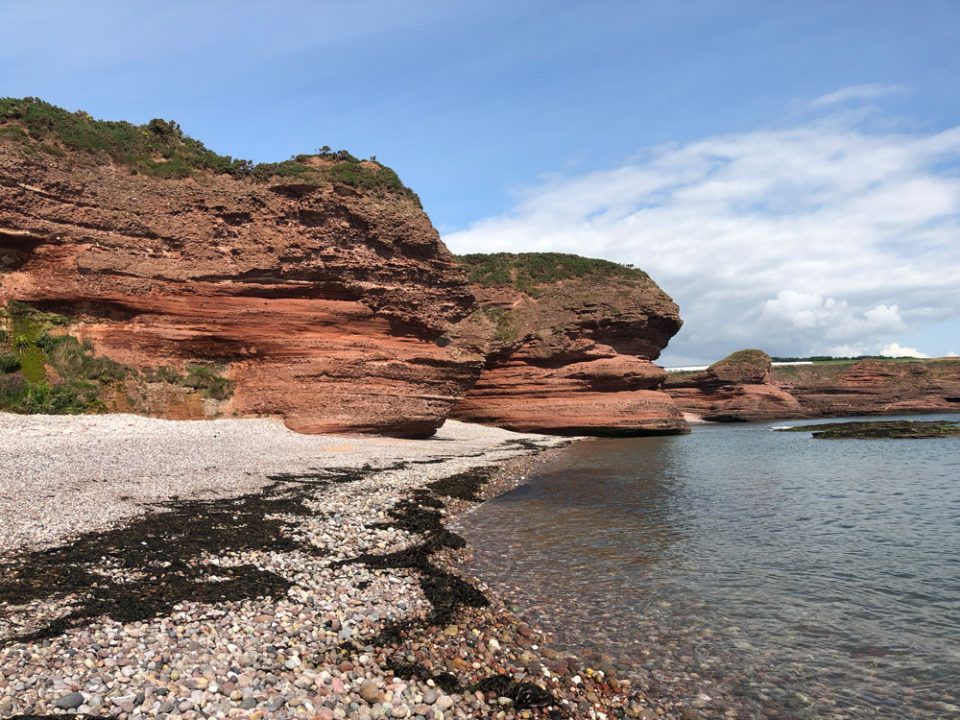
<point x="322" y="590"/>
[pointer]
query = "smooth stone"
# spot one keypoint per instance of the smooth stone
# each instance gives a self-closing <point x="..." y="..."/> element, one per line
<point x="370" y="692"/>
<point x="70" y="701"/>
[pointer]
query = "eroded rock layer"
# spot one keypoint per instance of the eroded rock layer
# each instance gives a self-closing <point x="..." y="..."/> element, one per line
<point x="325" y="303"/>
<point x="737" y="388"/>
<point x="570" y="346"/>
<point x="745" y="386"/>
<point x="873" y="386"/>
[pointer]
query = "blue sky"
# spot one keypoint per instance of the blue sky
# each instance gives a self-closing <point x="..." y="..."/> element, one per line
<point x="657" y="121"/>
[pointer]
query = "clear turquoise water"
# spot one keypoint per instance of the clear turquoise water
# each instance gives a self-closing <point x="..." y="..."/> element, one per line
<point x="774" y="574"/>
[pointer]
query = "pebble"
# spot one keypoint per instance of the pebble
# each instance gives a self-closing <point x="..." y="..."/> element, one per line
<point x="70" y="701"/>
<point x="370" y="692"/>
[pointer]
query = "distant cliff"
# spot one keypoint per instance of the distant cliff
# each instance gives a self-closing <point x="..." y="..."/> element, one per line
<point x="315" y="289"/>
<point x="745" y="386"/>
<point x="569" y="343"/>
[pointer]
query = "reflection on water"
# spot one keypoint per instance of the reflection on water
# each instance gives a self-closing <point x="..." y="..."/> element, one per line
<point x="773" y="574"/>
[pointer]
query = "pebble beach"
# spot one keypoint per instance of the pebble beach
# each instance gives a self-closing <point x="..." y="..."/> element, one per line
<point x="232" y="568"/>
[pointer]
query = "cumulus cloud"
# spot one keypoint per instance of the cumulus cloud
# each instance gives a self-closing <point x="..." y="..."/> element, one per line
<point x="796" y="239"/>
<point x="894" y="349"/>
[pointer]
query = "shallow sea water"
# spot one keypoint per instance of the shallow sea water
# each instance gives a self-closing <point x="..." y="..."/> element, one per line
<point x="742" y="569"/>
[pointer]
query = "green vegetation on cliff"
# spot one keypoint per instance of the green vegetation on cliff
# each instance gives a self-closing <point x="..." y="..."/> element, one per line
<point x="528" y="271"/>
<point x="30" y="354"/>
<point x="161" y="149"/>
<point x="44" y="370"/>
<point x="750" y="355"/>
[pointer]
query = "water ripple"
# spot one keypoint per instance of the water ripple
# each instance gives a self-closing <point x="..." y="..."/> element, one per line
<point x="785" y="577"/>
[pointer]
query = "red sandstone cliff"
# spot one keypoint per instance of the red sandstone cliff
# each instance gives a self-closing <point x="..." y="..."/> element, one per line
<point x="873" y="386"/>
<point x="327" y="302"/>
<point x="570" y="344"/>
<point x="745" y="386"/>
<point x="736" y="388"/>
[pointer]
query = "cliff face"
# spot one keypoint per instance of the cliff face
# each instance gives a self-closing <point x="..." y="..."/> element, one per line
<point x="873" y="386"/>
<point x="324" y="294"/>
<point x="570" y="344"/>
<point x="737" y="388"/>
<point x="746" y="387"/>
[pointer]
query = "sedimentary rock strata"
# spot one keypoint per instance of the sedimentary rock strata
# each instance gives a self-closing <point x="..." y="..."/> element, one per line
<point x="570" y="344"/>
<point x="325" y="301"/>
<point x="873" y="386"/>
<point x="736" y="388"/>
<point x="745" y="386"/>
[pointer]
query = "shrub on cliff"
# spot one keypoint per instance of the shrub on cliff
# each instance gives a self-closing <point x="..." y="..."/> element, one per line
<point x="33" y="349"/>
<point x="161" y="149"/>
<point x="527" y="271"/>
<point x="208" y="381"/>
<point x="9" y="362"/>
<point x="69" y="398"/>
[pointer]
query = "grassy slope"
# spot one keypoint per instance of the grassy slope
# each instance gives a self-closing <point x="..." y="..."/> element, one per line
<point x="528" y="271"/>
<point x="744" y="357"/>
<point x="160" y="149"/>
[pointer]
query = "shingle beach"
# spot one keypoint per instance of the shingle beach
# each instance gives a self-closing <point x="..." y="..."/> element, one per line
<point x="232" y="568"/>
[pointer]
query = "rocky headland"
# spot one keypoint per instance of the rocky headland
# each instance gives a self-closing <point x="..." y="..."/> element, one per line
<point x="318" y="287"/>
<point x="141" y="272"/>
<point x="570" y="344"/>
<point x="746" y="386"/>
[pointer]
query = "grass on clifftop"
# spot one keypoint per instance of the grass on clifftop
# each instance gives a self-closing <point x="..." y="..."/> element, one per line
<point x="161" y="149"/>
<point x="743" y="357"/>
<point x="527" y="271"/>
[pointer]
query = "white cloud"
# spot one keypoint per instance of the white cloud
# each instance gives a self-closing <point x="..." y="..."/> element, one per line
<point x="836" y="319"/>
<point x="868" y="91"/>
<point x="895" y="349"/>
<point x="952" y="354"/>
<point x="795" y="239"/>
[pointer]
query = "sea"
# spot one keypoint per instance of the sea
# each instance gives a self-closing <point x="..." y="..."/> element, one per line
<point x="742" y="570"/>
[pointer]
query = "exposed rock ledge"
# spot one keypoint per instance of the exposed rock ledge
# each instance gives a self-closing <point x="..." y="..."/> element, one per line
<point x="745" y="386"/>
<point x="570" y="344"/>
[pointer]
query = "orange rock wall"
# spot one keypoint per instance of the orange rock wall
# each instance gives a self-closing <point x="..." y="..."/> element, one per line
<point x="327" y="306"/>
<point x="821" y="390"/>
<point x="580" y="362"/>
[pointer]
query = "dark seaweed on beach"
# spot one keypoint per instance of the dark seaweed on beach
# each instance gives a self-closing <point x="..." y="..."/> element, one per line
<point x="420" y="515"/>
<point x="524" y="694"/>
<point x="463" y="486"/>
<point x="146" y="567"/>
<point x="408" y="671"/>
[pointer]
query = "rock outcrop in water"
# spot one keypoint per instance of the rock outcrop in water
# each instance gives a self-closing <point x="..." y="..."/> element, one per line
<point x="745" y="386"/>
<point x="737" y="388"/>
<point x="569" y="344"/>
<point x="318" y="285"/>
